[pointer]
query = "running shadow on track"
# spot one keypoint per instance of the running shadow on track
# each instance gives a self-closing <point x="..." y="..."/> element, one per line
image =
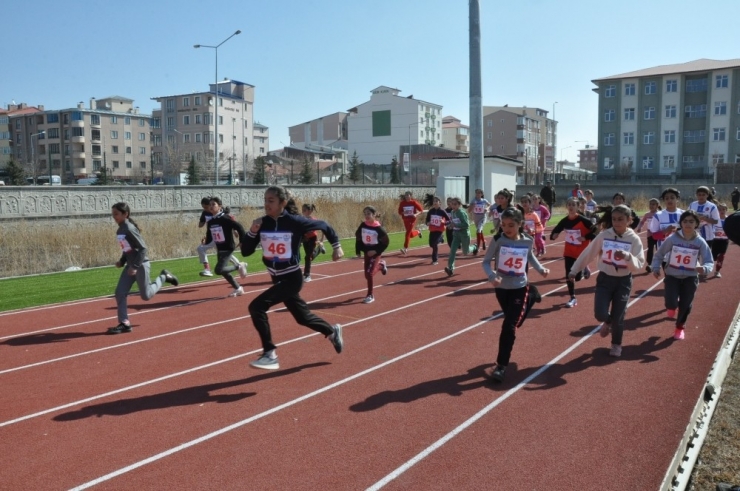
<point x="187" y="396"/>
<point x="555" y="376"/>
<point x="331" y="305"/>
<point x="174" y="303"/>
<point x="49" y="337"/>
<point x="453" y="386"/>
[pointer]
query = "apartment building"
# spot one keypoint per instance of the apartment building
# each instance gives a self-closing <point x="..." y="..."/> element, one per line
<point x="455" y="135"/>
<point x="78" y="142"/>
<point x="588" y="158"/>
<point x="185" y="125"/>
<point x="326" y="131"/>
<point x="378" y="128"/>
<point x="7" y="133"/>
<point x="524" y="133"/>
<point x="681" y="119"/>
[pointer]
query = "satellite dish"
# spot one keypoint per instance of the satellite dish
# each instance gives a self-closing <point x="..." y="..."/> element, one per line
<point x="210" y="102"/>
<point x="107" y="104"/>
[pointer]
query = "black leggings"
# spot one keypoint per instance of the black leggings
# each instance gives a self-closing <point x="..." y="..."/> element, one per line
<point x="309" y="245"/>
<point x="225" y="267"/>
<point x="516" y="304"/>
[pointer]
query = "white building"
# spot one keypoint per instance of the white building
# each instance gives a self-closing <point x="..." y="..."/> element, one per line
<point x="498" y="173"/>
<point x="376" y="129"/>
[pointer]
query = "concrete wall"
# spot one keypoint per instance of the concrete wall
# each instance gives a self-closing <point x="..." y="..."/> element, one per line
<point x="34" y="202"/>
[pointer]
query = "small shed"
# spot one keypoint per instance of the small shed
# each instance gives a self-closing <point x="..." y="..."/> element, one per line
<point x="498" y="173"/>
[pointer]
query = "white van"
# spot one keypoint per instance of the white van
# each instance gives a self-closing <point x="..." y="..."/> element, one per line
<point x="87" y="181"/>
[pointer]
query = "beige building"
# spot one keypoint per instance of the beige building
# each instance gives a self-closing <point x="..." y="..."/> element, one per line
<point x="329" y="131"/>
<point x="78" y="142"/>
<point x="588" y="158"/>
<point x="455" y="135"/>
<point x="8" y="135"/>
<point x="184" y="126"/>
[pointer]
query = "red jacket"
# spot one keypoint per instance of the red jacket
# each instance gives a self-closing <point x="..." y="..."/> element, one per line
<point x="409" y="209"/>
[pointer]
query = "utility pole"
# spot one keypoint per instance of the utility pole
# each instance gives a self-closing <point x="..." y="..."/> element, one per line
<point x="475" y="165"/>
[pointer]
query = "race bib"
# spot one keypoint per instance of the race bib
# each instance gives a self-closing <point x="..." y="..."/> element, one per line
<point x="512" y="261"/>
<point x="719" y="231"/>
<point x="590" y="207"/>
<point x="479" y="209"/>
<point x="125" y="246"/>
<point x="529" y="225"/>
<point x="435" y="221"/>
<point x="217" y="233"/>
<point x="276" y="246"/>
<point x="456" y="222"/>
<point x="369" y="236"/>
<point x="683" y="258"/>
<point x="609" y="248"/>
<point x="408" y="211"/>
<point x="572" y="236"/>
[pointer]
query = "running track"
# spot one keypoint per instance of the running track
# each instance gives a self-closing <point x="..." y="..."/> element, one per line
<point x="174" y="405"/>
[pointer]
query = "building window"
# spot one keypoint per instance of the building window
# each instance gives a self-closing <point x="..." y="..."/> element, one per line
<point x="114" y="148"/>
<point x="170" y="104"/>
<point x="648" y="138"/>
<point x="670" y="111"/>
<point x="489" y="135"/>
<point x="671" y="86"/>
<point x="721" y="82"/>
<point x="114" y="120"/>
<point x="649" y="112"/>
<point x="220" y="138"/>
<point x="127" y="120"/>
<point x="608" y="163"/>
<point x="95" y="119"/>
<point x="96" y="165"/>
<point x="629" y="114"/>
<point x="197" y="119"/>
<point x="650" y="88"/>
<point x="53" y="148"/>
<point x="142" y="150"/>
<point x="718" y="134"/>
<point x="170" y="122"/>
<point x="156" y="123"/>
<point x="197" y="100"/>
<point x="128" y="149"/>
<point x="611" y="91"/>
<point x="718" y="158"/>
<point x="186" y="138"/>
<point x="647" y="162"/>
<point x="78" y="131"/>
<point x="77" y="116"/>
<point x="197" y="138"/>
<point x="220" y="120"/>
<point x="694" y="136"/>
<point x="142" y="164"/>
<point x="186" y="119"/>
<point x="720" y="108"/>
<point x="697" y="111"/>
<point x="489" y="123"/>
<point x="51" y="118"/>
<point x="142" y="137"/>
<point x="669" y="136"/>
<point x="609" y="115"/>
<point x="737" y="133"/>
<point x="628" y="138"/>
<point x="52" y="132"/>
<point x="609" y="139"/>
<point x="185" y="101"/>
<point x="127" y="135"/>
<point x="629" y="89"/>
<point x="696" y="85"/>
<point x="142" y="122"/>
<point x="669" y="161"/>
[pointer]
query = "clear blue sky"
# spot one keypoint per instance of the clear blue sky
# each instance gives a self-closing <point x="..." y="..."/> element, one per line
<point x="312" y="58"/>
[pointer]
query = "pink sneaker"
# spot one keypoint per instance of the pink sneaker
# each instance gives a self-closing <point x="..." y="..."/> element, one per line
<point x="671" y="313"/>
<point x="678" y="333"/>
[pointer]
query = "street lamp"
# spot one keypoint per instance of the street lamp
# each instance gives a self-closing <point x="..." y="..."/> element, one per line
<point x="215" y="48"/>
<point x="177" y="155"/>
<point x="561" y="151"/>
<point x="33" y="155"/>
<point x="412" y="124"/>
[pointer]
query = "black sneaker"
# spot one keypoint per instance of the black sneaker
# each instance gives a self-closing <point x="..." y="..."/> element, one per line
<point x="169" y="278"/>
<point x="448" y="271"/>
<point x="383" y="268"/>
<point x="120" y="328"/>
<point x="336" y="338"/>
<point x="648" y="269"/>
<point x="421" y="235"/>
<point x="475" y="250"/>
<point x="535" y="294"/>
<point x="498" y="373"/>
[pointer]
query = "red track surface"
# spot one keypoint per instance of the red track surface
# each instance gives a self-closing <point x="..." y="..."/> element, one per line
<point x="174" y="405"/>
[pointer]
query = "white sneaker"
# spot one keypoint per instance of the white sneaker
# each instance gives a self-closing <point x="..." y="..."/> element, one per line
<point x="307" y="279"/>
<point x="206" y="272"/>
<point x="266" y="362"/>
<point x="243" y="270"/>
<point x="718" y="275"/>
<point x="369" y="299"/>
<point x="237" y="293"/>
<point x="571" y="303"/>
<point x="403" y="251"/>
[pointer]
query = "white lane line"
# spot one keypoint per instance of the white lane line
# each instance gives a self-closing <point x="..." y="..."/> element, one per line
<point x="463" y="426"/>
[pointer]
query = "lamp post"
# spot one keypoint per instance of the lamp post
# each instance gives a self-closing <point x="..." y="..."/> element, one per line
<point x="215" y="143"/>
<point x="177" y="155"/>
<point x="33" y="156"/>
<point x="412" y="124"/>
<point x="554" y="143"/>
<point x="233" y="150"/>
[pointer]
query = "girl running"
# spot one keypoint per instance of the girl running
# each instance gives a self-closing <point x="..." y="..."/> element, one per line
<point x="590" y="203"/>
<point x="647" y="219"/>
<point x="373" y="240"/>
<point x="687" y="256"/>
<point x="532" y="224"/>
<point x="619" y="252"/>
<point x="480" y="204"/>
<point x="203" y="247"/>
<point x="719" y="246"/>
<point x="409" y="209"/>
<point x="312" y="246"/>
<point x="279" y="232"/>
<point x="460" y="235"/>
<point x="436" y="220"/>
<point x="579" y="232"/>
<point x="619" y="199"/>
<point x="135" y="264"/>
<point x="665" y="221"/>
<point x="494" y="211"/>
<point x="543" y="212"/>
<point x="221" y="229"/>
<point x="511" y="254"/>
<point x="707" y="212"/>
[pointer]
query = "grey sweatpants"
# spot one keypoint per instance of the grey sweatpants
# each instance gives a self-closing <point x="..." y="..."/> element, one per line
<point x="146" y="290"/>
<point x="614" y="292"/>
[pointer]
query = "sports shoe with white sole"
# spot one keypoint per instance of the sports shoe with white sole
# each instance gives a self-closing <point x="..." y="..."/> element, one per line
<point x="121" y="327"/>
<point x="383" y="267"/>
<point x="243" y="270"/>
<point x="265" y="362"/>
<point x="336" y="338"/>
<point x="571" y="303"/>
<point x="169" y="278"/>
<point x="718" y="274"/>
<point x="616" y="351"/>
<point x="237" y="292"/>
<point x="369" y="299"/>
<point x="307" y="279"/>
<point x="206" y="272"/>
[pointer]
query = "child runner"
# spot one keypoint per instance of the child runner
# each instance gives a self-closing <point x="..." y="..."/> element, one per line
<point x="719" y="246"/>
<point x="579" y="232"/>
<point x="707" y="212"/>
<point x="460" y="235"/>
<point x="310" y="242"/>
<point x="543" y="212"/>
<point x="590" y="203"/>
<point x="495" y="210"/>
<point x="647" y="219"/>
<point x="279" y="232"/>
<point x="532" y="224"/>
<point x="373" y="240"/>
<point x="687" y="255"/>
<point x="135" y="264"/>
<point x="437" y="220"/>
<point x="510" y="255"/>
<point x="619" y="252"/>
<point x="665" y="221"/>
<point x="203" y="247"/>
<point x="619" y="199"/>
<point x="480" y="204"/>
<point x="221" y="229"/>
<point x="409" y="209"/>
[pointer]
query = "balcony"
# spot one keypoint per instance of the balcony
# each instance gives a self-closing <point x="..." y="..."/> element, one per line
<point x="78" y="155"/>
<point x="95" y="125"/>
<point x="77" y="124"/>
<point x="78" y="139"/>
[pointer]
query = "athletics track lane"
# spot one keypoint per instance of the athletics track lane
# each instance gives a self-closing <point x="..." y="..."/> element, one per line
<point x="551" y="433"/>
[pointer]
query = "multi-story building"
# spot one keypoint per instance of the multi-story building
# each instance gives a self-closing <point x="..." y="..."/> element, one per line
<point x="184" y="126"/>
<point x="524" y="133"/>
<point x="682" y="119"/>
<point x="588" y="158"/>
<point x="455" y="135"/>
<point x="78" y="142"/>
<point x="328" y="131"/>
<point x="378" y="128"/>
<point x="7" y="133"/>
